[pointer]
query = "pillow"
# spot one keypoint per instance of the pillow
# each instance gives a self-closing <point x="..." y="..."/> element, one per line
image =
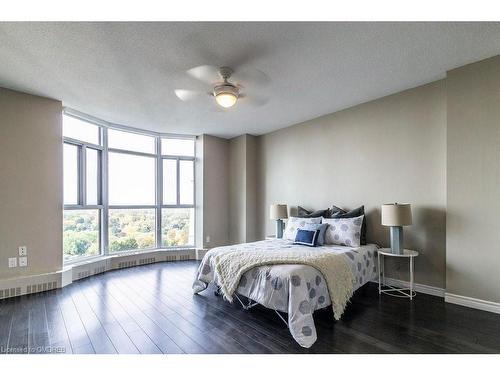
<point x="346" y="232"/>
<point x="336" y="210"/>
<point x="302" y="212"/>
<point x="322" y="231"/>
<point x="306" y="237"/>
<point x="295" y="223"/>
<point x="353" y="213"/>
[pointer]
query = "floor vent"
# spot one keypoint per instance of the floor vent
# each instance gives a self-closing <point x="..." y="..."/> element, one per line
<point x="184" y="257"/>
<point x="130" y="263"/>
<point x="170" y="258"/>
<point x="30" y="289"/>
<point x="83" y="274"/>
<point x="99" y="270"/>
<point x="10" y="292"/>
<point x="147" y="261"/>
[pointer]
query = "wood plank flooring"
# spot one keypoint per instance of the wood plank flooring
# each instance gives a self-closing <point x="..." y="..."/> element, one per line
<point x="151" y="309"/>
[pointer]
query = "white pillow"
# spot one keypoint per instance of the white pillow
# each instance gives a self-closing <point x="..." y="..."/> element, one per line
<point x="295" y="223"/>
<point x="346" y="232"/>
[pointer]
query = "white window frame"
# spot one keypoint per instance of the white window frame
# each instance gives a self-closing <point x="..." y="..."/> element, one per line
<point x="104" y="206"/>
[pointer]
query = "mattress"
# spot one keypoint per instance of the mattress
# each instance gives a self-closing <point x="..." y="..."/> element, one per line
<point x="295" y="289"/>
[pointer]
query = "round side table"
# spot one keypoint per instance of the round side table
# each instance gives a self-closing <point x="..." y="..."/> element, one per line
<point x="388" y="289"/>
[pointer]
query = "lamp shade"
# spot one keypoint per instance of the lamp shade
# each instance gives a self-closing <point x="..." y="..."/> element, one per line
<point x="278" y="211"/>
<point x="396" y="215"/>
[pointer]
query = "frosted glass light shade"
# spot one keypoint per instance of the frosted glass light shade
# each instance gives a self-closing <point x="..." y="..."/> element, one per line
<point x="278" y="211"/>
<point x="396" y="215"/>
<point x="226" y="99"/>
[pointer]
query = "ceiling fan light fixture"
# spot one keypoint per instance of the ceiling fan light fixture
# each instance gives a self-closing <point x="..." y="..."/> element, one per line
<point x="226" y="95"/>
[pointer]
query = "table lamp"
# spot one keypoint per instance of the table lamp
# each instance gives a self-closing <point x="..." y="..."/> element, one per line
<point x="396" y="215"/>
<point x="278" y="212"/>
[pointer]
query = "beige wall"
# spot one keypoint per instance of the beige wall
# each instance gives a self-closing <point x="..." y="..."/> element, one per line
<point x="388" y="150"/>
<point x="473" y="197"/>
<point x="215" y="191"/>
<point x="242" y="189"/>
<point x="30" y="182"/>
<point x="237" y="189"/>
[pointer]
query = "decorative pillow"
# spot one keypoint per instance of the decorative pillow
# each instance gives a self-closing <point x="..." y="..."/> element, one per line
<point x="342" y="214"/>
<point x="295" y="223"/>
<point x="302" y="212"/>
<point x="306" y="237"/>
<point x="335" y="210"/>
<point x="322" y="231"/>
<point x="346" y="232"/>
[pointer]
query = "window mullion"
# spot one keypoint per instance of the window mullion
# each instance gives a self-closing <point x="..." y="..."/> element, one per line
<point x="82" y="170"/>
<point x="159" y="191"/>
<point x="178" y="181"/>
<point x="104" y="194"/>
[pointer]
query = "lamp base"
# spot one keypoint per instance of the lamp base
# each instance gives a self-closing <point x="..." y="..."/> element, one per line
<point x="279" y="228"/>
<point x="397" y="240"/>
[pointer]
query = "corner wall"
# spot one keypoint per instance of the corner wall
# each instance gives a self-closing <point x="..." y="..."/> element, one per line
<point x="31" y="192"/>
<point x="215" y="191"/>
<point x="243" y="189"/>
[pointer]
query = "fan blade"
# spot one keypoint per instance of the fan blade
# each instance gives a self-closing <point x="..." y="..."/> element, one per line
<point x="251" y="77"/>
<point x="187" y="95"/>
<point x="254" y="101"/>
<point x="205" y="73"/>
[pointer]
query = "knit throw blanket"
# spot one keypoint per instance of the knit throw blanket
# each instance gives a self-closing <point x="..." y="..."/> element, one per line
<point x="231" y="264"/>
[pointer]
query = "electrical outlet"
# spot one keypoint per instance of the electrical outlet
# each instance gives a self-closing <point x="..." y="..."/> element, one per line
<point x="208" y="239"/>
<point x="23" y="261"/>
<point x="23" y="251"/>
<point x="12" y="262"/>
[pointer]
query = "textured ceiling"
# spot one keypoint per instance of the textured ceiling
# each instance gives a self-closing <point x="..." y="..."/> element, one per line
<point x="126" y="72"/>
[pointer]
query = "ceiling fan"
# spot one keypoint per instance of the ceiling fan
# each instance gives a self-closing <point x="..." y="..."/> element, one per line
<point x="225" y="93"/>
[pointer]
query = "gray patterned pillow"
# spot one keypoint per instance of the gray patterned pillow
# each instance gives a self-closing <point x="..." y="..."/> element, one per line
<point x="295" y="223"/>
<point x="346" y="232"/>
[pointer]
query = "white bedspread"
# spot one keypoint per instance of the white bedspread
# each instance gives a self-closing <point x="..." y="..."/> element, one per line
<point x="296" y="289"/>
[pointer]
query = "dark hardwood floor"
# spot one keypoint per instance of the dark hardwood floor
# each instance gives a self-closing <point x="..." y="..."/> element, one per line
<point x="151" y="309"/>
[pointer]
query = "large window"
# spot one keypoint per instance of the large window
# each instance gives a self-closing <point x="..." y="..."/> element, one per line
<point x="83" y="207"/>
<point x="125" y="189"/>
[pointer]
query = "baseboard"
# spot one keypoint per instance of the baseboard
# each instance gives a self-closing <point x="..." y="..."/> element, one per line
<point x="474" y="303"/>
<point x="420" y="288"/>
<point x="43" y="282"/>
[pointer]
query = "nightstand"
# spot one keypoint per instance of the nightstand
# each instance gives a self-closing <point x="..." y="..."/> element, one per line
<point x="388" y="289"/>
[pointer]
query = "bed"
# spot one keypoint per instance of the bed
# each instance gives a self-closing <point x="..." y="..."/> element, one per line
<point x="294" y="289"/>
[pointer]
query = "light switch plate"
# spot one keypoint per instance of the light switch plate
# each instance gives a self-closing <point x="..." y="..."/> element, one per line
<point x="23" y="251"/>
<point x="12" y="262"/>
<point x="23" y="261"/>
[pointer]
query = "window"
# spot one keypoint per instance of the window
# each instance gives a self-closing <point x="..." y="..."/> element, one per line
<point x="125" y="190"/>
<point x="177" y="147"/>
<point x="81" y="130"/>
<point x="131" y="179"/>
<point x="82" y="188"/>
<point x="92" y="178"/>
<point x="170" y="181"/>
<point x="177" y="226"/>
<point x="81" y="233"/>
<point x="70" y="173"/>
<point x="131" y="141"/>
<point x="131" y="229"/>
<point x="186" y="182"/>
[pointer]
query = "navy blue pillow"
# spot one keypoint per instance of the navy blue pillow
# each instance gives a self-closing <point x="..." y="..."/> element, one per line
<point x="307" y="237"/>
